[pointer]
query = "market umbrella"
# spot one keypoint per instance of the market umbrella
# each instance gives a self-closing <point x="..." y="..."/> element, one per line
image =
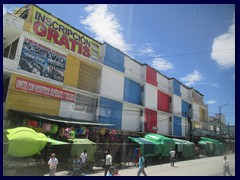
<point x="23" y="141"/>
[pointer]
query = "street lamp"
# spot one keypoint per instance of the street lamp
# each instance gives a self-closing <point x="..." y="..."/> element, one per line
<point x="220" y="108"/>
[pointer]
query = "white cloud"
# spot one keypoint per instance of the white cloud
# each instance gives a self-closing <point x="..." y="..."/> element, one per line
<point x="161" y="64"/>
<point x="214" y="85"/>
<point x="105" y="26"/>
<point x="223" y="48"/>
<point x="146" y="50"/>
<point x="212" y="102"/>
<point x="192" y="78"/>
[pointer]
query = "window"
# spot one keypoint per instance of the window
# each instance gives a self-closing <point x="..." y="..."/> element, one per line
<point x="10" y="51"/>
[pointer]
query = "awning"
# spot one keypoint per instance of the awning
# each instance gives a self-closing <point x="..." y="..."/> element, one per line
<point x="62" y="119"/>
<point x="55" y="142"/>
<point x="23" y="141"/>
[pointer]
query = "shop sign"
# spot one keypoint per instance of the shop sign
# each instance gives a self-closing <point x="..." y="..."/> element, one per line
<point x="39" y="88"/>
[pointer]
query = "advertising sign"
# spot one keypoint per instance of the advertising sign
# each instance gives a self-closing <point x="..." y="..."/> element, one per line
<point x="39" y="88"/>
<point x="40" y="60"/>
<point x="56" y="31"/>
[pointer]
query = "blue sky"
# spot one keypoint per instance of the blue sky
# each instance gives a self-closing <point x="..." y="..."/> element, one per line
<point x="194" y="43"/>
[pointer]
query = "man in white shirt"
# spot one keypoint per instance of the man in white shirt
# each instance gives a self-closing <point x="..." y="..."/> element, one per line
<point x="52" y="163"/>
<point x="172" y="157"/>
<point x="83" y="158"/>
<point x="108" y="162"/>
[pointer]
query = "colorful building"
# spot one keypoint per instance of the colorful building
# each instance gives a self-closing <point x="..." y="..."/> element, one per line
<point x="54" y="72"/>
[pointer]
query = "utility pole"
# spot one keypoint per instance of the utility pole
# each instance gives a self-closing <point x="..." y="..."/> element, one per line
<point x="220" y="120"/>
<point x="189" y="118"/>
<point x="220" y="116"/>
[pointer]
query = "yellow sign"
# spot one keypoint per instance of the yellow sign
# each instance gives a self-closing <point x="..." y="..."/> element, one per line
<point x="52" y="29"/>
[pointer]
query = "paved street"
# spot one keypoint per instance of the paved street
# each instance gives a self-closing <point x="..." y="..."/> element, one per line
<point x="208" y="166"/>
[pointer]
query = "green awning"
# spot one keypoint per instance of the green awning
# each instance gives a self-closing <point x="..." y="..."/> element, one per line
<point x="79" y="145"/>
<point x="55" y="142"/>
<point x="148" y="148"/>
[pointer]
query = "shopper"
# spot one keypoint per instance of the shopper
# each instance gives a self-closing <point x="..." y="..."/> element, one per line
<point x="226" y="167"/>
<point x="172" y="157"/>
<point x="141" y="165"/>
<point x="83" y="158"/>
<point x="108" y="162"/>
<point x="52" y="163"/>
<point x="76" y="165"/>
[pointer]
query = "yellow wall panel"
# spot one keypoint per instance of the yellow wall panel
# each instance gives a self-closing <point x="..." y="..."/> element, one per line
<point x="30" y="102"/>
<point x="72" y="71"/>
<point x="27" y="26"/>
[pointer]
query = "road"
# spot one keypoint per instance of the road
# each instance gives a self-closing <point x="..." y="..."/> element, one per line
<point x="208" y="166"/>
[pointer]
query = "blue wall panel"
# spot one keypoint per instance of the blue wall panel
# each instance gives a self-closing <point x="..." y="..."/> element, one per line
<point x="177" y="126"/>
<point x="176" y="88"/>
<point x="185" y="108"/>
<point x="110" y="112"/>
<point x="132" y="92"/>
<point x="114" y="58"/>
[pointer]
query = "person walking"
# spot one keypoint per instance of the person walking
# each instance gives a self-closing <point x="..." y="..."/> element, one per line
<point x="108" y="162"/>
<point x="226" y="167"/>
<point x="76" y="166"/>
<point x="141" y="165"/>
<point x="172" y="157"/>
<point x="52" y="163"/>
<point x="83" y="158"/>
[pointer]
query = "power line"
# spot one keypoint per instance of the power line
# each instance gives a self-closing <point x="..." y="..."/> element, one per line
<point x="187" y="54"/>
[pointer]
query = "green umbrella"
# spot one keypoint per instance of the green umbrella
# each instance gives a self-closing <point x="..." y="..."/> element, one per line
<point x="24" y="141"/>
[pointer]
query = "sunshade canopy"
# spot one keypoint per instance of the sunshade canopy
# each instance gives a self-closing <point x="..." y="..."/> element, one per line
<point x="24" y="141"/>
<point x="79" y="145"/>
<point x="56" y="142"/>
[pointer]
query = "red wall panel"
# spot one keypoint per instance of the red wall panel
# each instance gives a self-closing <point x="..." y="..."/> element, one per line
<point x="150" y="121"/>
<point x="163" y="102"/>
<point x="151" y="76"/>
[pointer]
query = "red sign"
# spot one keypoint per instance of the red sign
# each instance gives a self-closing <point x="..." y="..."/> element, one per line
<point x="38" y="88"/>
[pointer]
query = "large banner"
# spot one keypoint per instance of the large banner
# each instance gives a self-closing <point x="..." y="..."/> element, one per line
<point x="54" y="30"/>
<point x="37" y="59"/>
<point x="39" y="88"/>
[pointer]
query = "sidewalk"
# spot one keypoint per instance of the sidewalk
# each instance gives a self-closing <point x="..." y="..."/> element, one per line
<point x="94" y="170"/>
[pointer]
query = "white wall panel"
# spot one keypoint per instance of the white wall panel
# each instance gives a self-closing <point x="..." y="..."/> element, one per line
<point x="112" y="84"/>
<point x="177" y="105"/>
<point x="130" y="118"/>
<point x="67" y="109"/>
<point x="150" y="98"/>
<point x="133" y="69"/>
<point x="163" y="84"/>
<point x="163" y="124"/>
<point x="185" y="93"/>
<point x="184" y="126"/>
<point x="196" y="113"/>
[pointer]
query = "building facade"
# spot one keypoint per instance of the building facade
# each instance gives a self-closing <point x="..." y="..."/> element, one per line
<point x="54" y="70"/>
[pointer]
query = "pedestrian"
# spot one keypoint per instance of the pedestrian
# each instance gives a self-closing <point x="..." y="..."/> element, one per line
<point x="137" y="155"/>
<point x="108" y="162"/>
<point x="52" y="163"/>
<point x="83" y="158"/>
<point x="226" y="167"/>
<point x="111" y="171"/>
<point x="141" y="165"/>
<point x="76" y="165"/>
<point x="172" y="157"/>
<point x="116" y="171"/>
